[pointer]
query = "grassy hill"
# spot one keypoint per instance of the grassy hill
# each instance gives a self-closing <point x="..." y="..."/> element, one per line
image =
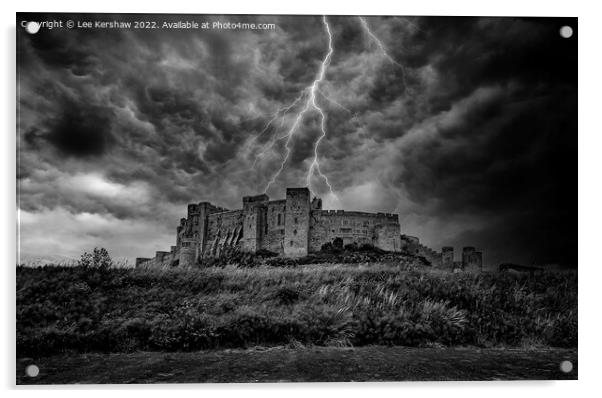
<point x="81" y="309"/>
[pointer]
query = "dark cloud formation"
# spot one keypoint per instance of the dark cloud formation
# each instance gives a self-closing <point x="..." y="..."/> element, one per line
<point x="467" y="127"/>
<point x="81" y="130"/>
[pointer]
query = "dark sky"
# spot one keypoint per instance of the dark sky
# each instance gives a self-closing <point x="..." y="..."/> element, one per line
<point x="466" y="127"/>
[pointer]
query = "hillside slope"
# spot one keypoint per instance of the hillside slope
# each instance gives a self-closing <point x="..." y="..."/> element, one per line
<point x="120" y="310"/>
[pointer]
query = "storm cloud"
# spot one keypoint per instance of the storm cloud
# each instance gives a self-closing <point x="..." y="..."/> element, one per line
<point x="468" y="129"/>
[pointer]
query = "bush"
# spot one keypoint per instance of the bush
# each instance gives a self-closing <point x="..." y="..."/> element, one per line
<point x="326" y="247"/>
<point x="337" y="243"/>
<point x="264" y="253"/>
<point x="285" y="296"/>
<point x="99" y="258"/>
<point x="351" y="246"/>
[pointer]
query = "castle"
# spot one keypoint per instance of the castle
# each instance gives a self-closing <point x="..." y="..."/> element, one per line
<point x="292" y="227"/>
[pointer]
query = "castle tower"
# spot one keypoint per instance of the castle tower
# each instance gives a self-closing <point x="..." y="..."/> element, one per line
<point x="296" y="222"/>
<point x="388" y="237"/>
<point x="254" y="216"/>
<point x="472" y="260"/>
<point x="316" y="204"/>
<point x="188" y="253"/>
<point x="467" y="253"/>
<point x="477" y="262"/>
<point x="200" y="230"/>
<point x="194" y="229"/>
<point x="141" y="260"/>
<point x="447" y="257"/>
<point x="180" y="231"/>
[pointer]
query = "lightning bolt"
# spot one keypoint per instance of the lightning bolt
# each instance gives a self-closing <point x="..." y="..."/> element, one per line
<point x="310" y="104"/>
<point x="378" y="42"/>
<point x="386" y="54"/>
<point x="309" y="94"/>
<point x="280" y="113"/>
<point x="382" y="48"/>
<point x="333" y="101"/>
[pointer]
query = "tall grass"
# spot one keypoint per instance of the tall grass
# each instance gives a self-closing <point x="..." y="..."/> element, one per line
<point x="83" y="309"/>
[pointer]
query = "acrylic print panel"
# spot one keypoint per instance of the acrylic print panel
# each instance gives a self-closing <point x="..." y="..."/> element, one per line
<point x="259" y="198"/>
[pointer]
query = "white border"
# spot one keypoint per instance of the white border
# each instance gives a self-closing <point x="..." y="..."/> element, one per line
<point x="590" y="151"/>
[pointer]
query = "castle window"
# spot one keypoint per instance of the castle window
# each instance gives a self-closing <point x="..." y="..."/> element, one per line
<point x="291" y="243"/>
<point x="296" y="220"/>
<point x="279" y="219"/>
<point x="344" y="222"/>
<point x="295" y="232"/>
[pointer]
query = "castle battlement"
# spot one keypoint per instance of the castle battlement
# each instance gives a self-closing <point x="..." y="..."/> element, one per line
<point x="360" y="213"/>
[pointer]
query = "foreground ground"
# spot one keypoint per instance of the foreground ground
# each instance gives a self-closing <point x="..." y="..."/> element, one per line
<point x="316" y="364"/>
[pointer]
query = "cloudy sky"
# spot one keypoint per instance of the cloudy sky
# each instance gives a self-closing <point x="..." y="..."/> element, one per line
<point x="465" y="127"/>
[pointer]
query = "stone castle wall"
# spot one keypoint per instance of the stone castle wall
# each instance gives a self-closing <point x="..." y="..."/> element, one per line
<point x="412" y="245"/>
<point x="273" y="229"/>
<point x="292" y="227"/>
<point x="471" y="260"/>
<point x="378" y="229"/>
<point x="224" y="230"/>
<point x="296" y="222"/>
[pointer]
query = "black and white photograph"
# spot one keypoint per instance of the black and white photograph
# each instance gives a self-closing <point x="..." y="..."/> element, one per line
<point x="237" y="198"/>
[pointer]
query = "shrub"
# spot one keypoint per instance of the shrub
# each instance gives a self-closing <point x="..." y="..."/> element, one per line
<point x="351" y="246"/>
<point x="368" y="247"/>
<point x="99" y="258"/>
<point x="264" y="253"/>
<point x="326" y="247"/>
<point x="285" y="295"/>
<point x="337" y="243"/>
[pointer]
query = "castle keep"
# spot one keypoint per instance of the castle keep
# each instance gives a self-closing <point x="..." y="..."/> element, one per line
<point x="292" y="227"/>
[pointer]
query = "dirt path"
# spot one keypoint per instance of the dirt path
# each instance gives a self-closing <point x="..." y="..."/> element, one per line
<point x="302" y="365"/>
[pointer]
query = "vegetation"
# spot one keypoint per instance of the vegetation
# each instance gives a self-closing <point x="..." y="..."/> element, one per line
<point x="119" y="310"/>
<point x="99" y="258"/>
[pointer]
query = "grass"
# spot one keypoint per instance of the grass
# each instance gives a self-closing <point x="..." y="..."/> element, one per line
<point x="77" y="309"/>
